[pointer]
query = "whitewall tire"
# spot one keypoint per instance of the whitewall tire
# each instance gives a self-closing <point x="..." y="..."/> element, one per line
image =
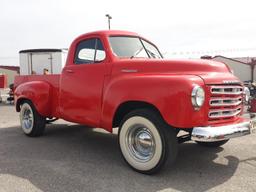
<point x="32" y="123"/>
<point x="146" y="142"/>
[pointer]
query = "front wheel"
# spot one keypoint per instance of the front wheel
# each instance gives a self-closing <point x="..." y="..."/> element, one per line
<point x="212" y="144"/>
<point x="32" y="123"/>
<point x="146" y="142"/>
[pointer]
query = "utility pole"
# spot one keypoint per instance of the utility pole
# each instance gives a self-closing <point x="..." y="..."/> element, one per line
<point x="109" y="17"/>
<point x="253" y="64"/>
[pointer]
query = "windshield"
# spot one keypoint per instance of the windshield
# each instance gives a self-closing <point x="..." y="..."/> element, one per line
<point x="123" y="46"/>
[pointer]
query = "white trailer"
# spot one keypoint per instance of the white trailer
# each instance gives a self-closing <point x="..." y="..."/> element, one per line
<point x="34" y="61"/>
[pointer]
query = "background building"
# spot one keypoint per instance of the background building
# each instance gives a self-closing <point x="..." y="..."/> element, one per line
<point x="243" y="67"/>
<point x="10" y="71"/>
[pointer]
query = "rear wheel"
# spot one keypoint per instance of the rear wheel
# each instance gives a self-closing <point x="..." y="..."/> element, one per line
<point x="146" y="141"/>
<point x="32" y="123"/>
<point x="213" y="144"/>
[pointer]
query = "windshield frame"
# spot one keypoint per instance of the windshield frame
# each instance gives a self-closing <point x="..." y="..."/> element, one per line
<point x="140" y="39"/>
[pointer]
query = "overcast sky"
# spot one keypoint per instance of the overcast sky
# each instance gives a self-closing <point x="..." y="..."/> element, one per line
<point x="180" y="28"/>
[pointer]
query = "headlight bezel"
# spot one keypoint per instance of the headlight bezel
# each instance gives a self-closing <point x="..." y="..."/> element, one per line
<point x="197" y="97"/>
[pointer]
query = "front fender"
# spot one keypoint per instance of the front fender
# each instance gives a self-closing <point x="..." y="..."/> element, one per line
<point x="38" y="92"/>
<point x="170" y="94"/>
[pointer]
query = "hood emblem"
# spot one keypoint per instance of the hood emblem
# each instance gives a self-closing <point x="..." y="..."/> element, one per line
<point x="231" y="82"/>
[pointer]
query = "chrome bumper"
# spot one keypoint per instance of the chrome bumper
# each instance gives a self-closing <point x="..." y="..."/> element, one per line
<point x="211" y="134"/>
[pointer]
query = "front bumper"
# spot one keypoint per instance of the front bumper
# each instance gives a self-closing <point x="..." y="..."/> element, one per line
<point x="211" y="134"/>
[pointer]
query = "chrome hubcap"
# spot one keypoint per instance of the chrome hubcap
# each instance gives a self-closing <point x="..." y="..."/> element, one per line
<point x="27" y="118"/>
<point x="140" y="143"/>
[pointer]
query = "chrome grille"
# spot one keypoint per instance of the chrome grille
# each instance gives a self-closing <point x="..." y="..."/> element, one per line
<point x="225" y="101"/>
<point x="228" y="90"/>
<point x="224" y="113"/>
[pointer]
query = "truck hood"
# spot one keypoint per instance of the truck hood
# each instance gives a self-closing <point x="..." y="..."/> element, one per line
<point x="211" y="72"/>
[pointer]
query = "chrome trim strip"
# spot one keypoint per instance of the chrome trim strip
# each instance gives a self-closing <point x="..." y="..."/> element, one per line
<point x="211" y="134"/>
<point x="129" y="70"/>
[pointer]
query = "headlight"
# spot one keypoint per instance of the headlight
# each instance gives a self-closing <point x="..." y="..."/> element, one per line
<point x="246" y="94"/>
<point x="197" y="97"/>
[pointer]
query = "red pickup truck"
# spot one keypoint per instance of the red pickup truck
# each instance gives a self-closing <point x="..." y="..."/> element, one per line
<point x="120" y="79"/>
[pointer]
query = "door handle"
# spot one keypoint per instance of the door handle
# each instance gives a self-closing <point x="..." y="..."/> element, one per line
<point x="69" y="71"/>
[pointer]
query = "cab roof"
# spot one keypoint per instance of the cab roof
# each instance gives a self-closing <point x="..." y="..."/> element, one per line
<point x="111" y="32"/>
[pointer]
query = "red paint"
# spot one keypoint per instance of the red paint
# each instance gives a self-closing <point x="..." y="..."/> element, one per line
<point x="253" y="105"/>
<point x="92" y="93"/>
<point x="3" y="81"/>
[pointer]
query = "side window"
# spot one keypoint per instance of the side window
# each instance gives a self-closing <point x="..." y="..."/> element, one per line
<point x="89" y="51"/>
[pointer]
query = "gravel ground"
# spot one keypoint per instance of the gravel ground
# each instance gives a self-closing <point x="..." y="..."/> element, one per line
<point x="71" y="157"/>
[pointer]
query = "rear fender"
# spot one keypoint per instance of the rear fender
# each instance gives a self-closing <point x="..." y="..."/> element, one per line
<point x="38" y="92"/>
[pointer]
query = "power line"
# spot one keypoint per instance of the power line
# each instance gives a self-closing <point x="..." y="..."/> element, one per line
<point x="198" y="52"/>
<point x="8" y="57"/>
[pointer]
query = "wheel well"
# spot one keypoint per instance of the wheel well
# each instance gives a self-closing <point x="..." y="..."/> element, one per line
<point x="19" y="103"/>
<point x="129" y="106"/>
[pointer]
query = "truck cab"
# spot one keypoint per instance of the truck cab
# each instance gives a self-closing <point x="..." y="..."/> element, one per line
<point x="120" y="79"/>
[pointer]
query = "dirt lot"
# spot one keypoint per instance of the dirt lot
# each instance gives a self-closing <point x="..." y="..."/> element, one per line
<point x="72" y="157"/>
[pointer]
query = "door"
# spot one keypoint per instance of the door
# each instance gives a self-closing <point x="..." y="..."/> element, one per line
<point x="82" y="84"/>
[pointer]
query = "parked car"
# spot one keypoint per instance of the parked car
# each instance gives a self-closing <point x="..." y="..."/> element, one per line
<point x="120" y="79"/>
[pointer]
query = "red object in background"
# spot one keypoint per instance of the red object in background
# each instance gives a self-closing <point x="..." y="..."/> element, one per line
<point x="3" y="81"/>
<point x="253" y="105"/>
